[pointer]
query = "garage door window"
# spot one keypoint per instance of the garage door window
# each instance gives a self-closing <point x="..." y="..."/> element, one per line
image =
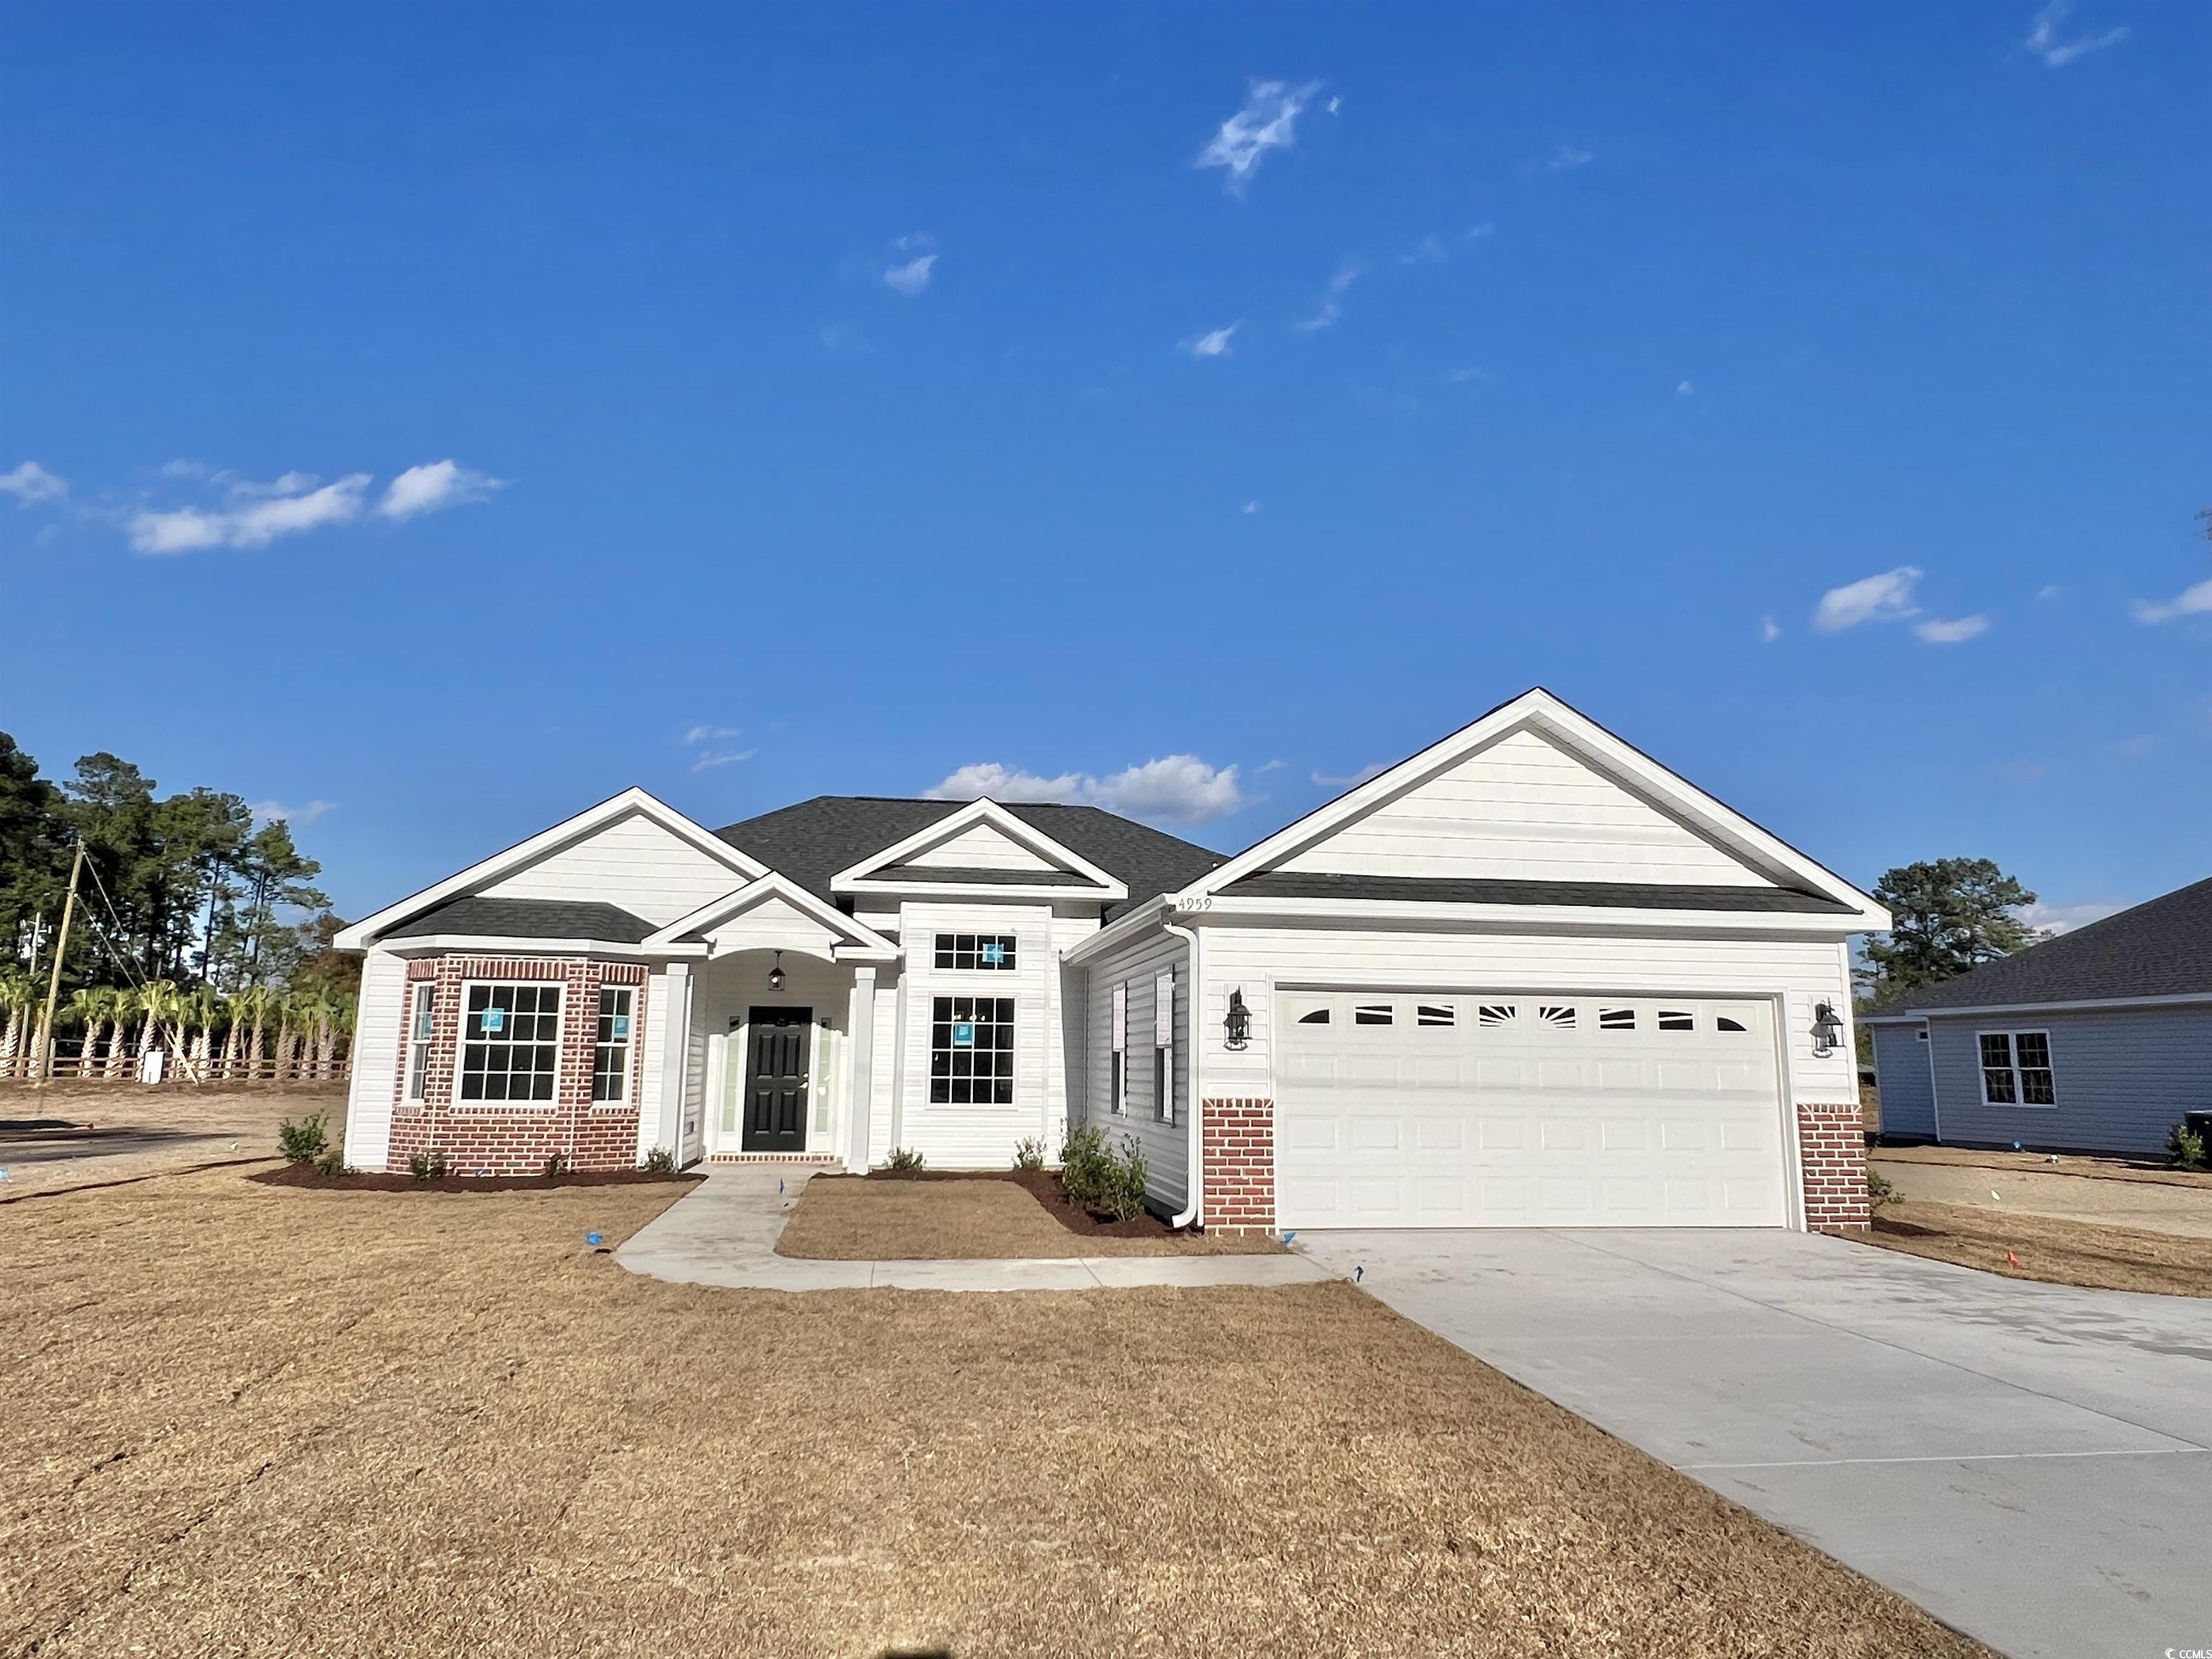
<point x="1436" y="1013"/>
<point x="1557" y="1015"/>
<point x="1616" y="1019"/>
<point x="1495" y="1013"/>
<point x="1318" y="1017"/>
<point x="2016" y="1069"/>
<point x="1372" y="1013"/>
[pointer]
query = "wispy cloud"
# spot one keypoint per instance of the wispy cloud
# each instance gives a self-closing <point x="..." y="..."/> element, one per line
<point x="270" y="812"/>
<point x="1685" y="388"/>
<point x="1262" y="770"/>
<point x="1769" y="629"/>
<point x="2043" y="40"/>
<point x="30" y="483"/>
<point x="712" y="758"/>
<point x="433" y="488"/>
<point x="1173" y="789"/>
<point x="712" y="733"/>
<point x="1268" y="121"/>
<point x="1885" y="598"/>
<point x="264" y="515"/>
<point x="2195" y="601"/>
<point x="1250" y="506"/>
<point x="914" y="259"/>
<point x="1215" y="344"/>
<point x="1937" y="630"/>
<point x="1565" y="159"/>
<point x="1463" y="376"/>
<point x="708" y="759"/>
<point x="1331" y="304"/>
<point x="1359" y="777"/>
<point x="2065" y="918"/>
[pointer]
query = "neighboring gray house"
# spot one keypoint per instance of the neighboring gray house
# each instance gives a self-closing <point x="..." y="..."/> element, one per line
<point x="2099" y="1040"/>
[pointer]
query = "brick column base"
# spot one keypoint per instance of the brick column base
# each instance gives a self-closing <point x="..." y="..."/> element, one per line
<point x="1237" y="1140"/>
<point x="1831" y="1149"/>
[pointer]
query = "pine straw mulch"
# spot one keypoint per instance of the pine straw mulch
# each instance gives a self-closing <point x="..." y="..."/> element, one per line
<point x="2039" y="1247"/>
<point x="254" y="1420"/>
<point x="1015" y="1215"/>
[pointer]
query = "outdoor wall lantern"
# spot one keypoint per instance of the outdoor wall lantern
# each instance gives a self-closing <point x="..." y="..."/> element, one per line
<point x="1827" y="1030"/>
<point x="1239" y="1023"/>
<point x="775" y="973"/>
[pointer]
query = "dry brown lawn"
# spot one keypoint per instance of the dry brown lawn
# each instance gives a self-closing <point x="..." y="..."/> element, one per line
<point x="847" y="1220"/>
<point x="121" y="1130"/>
<point x="2100" y="1169"/>
<point x="2057" y="1252"/>
<point x="254" y="1420"/>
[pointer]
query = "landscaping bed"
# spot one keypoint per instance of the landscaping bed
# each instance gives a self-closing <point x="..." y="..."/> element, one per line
<point x="354" y="1181"/>
<point x="955" y="1216"/>
<point x="2045" y="1247"/>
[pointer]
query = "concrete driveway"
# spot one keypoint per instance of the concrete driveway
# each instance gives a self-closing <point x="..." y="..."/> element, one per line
<point x="2028" y="1462"/>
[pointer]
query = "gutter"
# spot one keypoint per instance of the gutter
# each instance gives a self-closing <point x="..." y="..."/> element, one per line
<point x="1194" y="1162"/>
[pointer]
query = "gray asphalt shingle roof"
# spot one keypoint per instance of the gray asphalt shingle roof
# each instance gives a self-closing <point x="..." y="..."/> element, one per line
<point x="812" y="841"/>
<point x="2161" y="948"/>
<point x="522" y="917"/>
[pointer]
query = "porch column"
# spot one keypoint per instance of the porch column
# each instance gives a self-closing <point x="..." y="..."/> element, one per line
<point x="674" y="1013"/>
<point x="861" y="1096"/>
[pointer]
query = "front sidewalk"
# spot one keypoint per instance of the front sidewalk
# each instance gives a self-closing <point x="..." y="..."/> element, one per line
<point x="723" y="1233"/>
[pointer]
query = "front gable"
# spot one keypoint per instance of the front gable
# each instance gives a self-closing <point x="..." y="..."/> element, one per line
<point x="775" y="913"/>
<point x="981" y="851"/>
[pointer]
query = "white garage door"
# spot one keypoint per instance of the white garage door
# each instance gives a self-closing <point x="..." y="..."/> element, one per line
<point x="1443" y="1110"/>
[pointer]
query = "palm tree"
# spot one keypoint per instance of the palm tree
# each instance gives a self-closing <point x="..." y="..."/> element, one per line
<point x="123" y="1010"/>
<point x="203" y="1006"/>
<point x="18" y="996"/>
<point x="253" y="1008"/>
<point x="160" y="1002"/>
<point x="86" y="1009"/>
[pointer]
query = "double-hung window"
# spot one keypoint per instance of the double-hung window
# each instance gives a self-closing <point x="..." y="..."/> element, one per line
<point x="971" y="1051"/>
<point x="510" y="1042"/>
<point x="993" y="952"/>
<point x="420" y="998"/>
<point x="610" y="1052"/>
<point x="1163" y="1047"/>
<point x="1117" y="1098"/>
<point x="2016" y="1069"/>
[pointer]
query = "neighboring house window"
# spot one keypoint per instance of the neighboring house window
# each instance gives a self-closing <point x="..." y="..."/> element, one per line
<point x="418" y="1038"/>
<point x="984" y="951"/>
<point x="510" y="1042"/>
<point x="971" y="1051"/>
<point x="1163" y="1047"/>
<point x="1117" y="1093"/>
<point x="2016" y="1069"/>
<point x="610" y="1053"/>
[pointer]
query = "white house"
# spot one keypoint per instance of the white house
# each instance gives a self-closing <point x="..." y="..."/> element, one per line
<point x="1526" y="977"/>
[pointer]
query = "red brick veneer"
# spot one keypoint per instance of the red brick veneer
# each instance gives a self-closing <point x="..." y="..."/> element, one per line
<point x="1831" y="1151"/>
<point x="509" y="1137"/>
<point x="1237" y="1140"/>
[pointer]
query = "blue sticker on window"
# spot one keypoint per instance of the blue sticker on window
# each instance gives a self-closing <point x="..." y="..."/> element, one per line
<point x="622" y="1027"/>
<point x="494" y="1019"/>
<point x="964" y="1034"/>
<point x="994" y="954"/>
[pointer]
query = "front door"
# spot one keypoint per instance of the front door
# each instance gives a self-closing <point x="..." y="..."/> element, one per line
<point x="776" y="1079"/>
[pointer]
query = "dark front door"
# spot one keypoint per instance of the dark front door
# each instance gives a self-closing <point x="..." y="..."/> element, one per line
<point x="776" y="1079"/>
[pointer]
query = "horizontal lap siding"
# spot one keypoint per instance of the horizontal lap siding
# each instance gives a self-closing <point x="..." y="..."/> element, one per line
<point x="2122" y="1078"/>
<point x="981" y="846"/>
<point x="1166" y="1146"/>
<point x="1900" y="1068"/>
<point x="967" y="1136"/>
<point x="633" y="863"/>
<point x="377" y="1024"/>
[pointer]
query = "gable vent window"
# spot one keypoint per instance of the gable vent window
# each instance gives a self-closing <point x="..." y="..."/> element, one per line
<point x="1560" y="1016"/>
<point x="1723" y="1023"/>
<point x="1318" y="1017"/>
<point x="962" y="951"/>
<point x="1677" y="1019"/>
<point x="1494" y="1014"/>
<point x="1616" y="1019"/>
<point x="1371" y="1013"/>
<point x="1436" y="1013"/>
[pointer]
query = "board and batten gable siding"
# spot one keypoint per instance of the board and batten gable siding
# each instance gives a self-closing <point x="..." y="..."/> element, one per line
<point x="2123" y="1077"/>
<point x="966" y="1136"/>
<point x="1523" y="809"/>
<point x="634" y="863"/>
<point x="1256" y="959"/>
<point x="1900" y="1070"/>
<point x="981" y="846"/>
<point x="378" y="1022"/>
<point x="1166" y="1146"/>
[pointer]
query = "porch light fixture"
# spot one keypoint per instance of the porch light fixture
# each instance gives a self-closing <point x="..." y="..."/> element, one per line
<point x="775" y="973"/>
<point x="1827" y="1030"/>
<point x="1239" y="1023"/>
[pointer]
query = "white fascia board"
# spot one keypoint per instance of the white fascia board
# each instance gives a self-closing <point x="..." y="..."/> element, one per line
<point x="980" y="811"/>
<point x="1117" y="933"/>
<point x="1516" y="918"/>
<point x="633" y="799"/>
<point x="2084" y="1006"/>
<point x="863" y="941"/>
<point x="484" y="945"/>
<point x="1540" y="709"/>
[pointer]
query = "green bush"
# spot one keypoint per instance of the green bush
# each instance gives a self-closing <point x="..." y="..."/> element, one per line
<point x="905" y="1159"/>
<point x="658" y="1161"/>
<point x="1881" y="1189"/>
<point x="2186" y="1147"/>
<point x="1127" y="1198"/>
<point x="429" y="1166"/>
<point x="1029" y="1153"/>
<point x="302" y="1142"/>
<point x="332" y="1162"/>
<point x="556" y="1166"/>
<point x="1094" y="1176"/>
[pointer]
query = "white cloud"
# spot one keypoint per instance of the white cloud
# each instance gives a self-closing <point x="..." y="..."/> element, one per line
<point x="1270" y="766"/>
<point x="268" y="811"/>
<point x="2049" y="591"/>
<point x="1267" y="121"/>
<point x="911" y="277"/>
<point x="1215" y="344"/>
<point x="433" y="488"/>
<point x="1359" y="777"/>
<point x="190" y="529"/>
<point x="1431" y="251"/>
<point x="1335" y="105"/>
<point x="709" y="733"/>
<point x="1174" y="789"/>
<point x="1685" y="388"/>
<point x="2043" y="40"/>
<point x="1769" y="629"/>
<point x="30" y="483"/>
<point x="2065" y="918"/>
<point x="1937" y="630"/>
<point x="1873" y="598"/>
<point x="1567" y="157"/>
<point x="712" y="758"/>
<point x="1462" y="376"/>
<point x="1332" y="306"/>
<point x="1251" y="507"/>
<point x="2190" y="602"/>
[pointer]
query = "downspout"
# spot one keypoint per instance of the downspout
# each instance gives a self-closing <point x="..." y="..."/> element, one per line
<point x="1195" y="1179"/>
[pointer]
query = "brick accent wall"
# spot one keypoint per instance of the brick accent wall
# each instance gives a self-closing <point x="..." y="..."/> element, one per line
<point x="1237" y="1140"/>
<point x="1832" y="1146"/>
<point x="512" y="1137"/>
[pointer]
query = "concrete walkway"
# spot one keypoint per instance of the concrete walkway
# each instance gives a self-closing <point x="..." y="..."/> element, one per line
<point x="724" y="1231"/>
<point x="2028" y="1462"/>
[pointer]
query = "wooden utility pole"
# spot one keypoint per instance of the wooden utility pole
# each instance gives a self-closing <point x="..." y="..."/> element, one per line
<point x="45" y="1067"/>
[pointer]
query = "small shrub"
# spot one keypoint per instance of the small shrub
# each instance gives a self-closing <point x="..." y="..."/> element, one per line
<point x="1029" y="1153"/>
<point x="302" y="1142"/>
<point x="556" y="1166"/>
<point x="1125" y="1197"/>
<point x="2186" y="1147"/>
<point x="1881" y="1189"/>
<point x="905" y="1159"/>
<point x="332" y="1162"/>
<point x="1087" y="1165"/>
<point x="432" y="1165"/>
<point x="658" y="1161"/>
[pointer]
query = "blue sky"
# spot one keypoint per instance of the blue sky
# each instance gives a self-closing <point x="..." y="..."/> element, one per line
<point x="432" y="420"/>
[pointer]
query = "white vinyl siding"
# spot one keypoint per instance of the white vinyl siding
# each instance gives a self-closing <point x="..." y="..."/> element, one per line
<point x="981" y="846"/>
<point x="633" y="863"/>
<point x="377" y="1051"/>
<point x="957" y="1135"/>
<point x="1523" y="809"/>
<point x="1143" y="965"/>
